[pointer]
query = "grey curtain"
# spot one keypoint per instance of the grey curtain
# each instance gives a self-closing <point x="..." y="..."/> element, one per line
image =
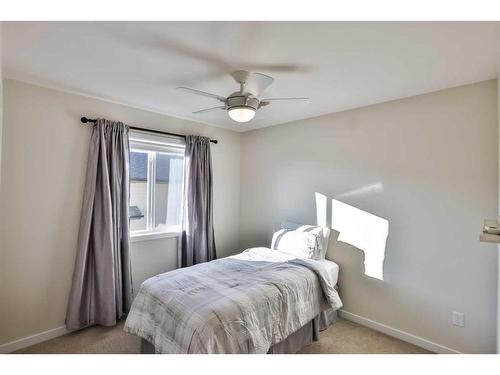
<point x="197" y="243"/>
<point x="101" y="291"/>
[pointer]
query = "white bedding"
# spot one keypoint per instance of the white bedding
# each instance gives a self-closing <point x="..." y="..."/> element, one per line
<point x="266" y="254"/>
<point x="333" y="269"/>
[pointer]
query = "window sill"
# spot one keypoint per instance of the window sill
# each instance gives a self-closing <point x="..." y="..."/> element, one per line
<point x="152" y="236"/>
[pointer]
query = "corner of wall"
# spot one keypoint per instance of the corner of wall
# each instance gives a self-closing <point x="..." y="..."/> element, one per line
<point x="240" y="229"/>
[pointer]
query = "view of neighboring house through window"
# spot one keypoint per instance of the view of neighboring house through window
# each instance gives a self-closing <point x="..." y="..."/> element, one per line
<point x="156" y="177"/>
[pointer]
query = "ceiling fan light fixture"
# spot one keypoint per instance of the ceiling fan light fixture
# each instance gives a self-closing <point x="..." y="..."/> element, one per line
<point x="241" y="114"/>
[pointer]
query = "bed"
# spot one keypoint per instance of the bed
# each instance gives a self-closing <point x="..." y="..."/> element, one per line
<point x="259" y="301"/>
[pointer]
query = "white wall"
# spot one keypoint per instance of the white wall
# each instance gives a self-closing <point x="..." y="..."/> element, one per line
<point x="498" y="246"/>
<point x="152" y="257"/>
<point x="43" y="170"/>
<point x="2" y="258"/>
<point x="1" y="101"/>
<point x="427" y="164"/>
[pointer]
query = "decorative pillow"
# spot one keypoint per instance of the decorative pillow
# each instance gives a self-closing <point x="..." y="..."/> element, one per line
<point x="299" y="244"/>
<point x="323" y="234"/>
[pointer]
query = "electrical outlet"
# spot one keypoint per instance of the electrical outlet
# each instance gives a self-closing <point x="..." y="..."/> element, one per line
<point x="458" y="319"/>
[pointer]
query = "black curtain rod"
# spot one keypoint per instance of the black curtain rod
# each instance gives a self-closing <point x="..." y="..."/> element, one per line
<point x="85" y="120"/>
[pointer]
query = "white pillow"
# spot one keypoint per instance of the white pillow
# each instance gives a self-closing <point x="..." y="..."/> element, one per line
<point x="322" y="232"/>
<point x="299" y="244"/>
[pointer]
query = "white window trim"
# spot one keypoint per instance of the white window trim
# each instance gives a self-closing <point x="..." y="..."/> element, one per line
<point x="159" y="144"/>
<point x="148" y="236"/>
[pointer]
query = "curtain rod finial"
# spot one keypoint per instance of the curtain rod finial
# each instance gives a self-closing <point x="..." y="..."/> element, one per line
<point x="86" y="119"/>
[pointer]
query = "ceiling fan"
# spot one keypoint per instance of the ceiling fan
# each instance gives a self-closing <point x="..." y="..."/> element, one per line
<point x="241" y="105"/>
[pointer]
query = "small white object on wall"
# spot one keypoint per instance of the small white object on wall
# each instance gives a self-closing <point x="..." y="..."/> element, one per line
<point x="491" y="231"/>
<point x="458" y="319"/>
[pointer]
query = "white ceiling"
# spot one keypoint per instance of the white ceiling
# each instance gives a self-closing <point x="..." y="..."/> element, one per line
<point x="339" y="65"/>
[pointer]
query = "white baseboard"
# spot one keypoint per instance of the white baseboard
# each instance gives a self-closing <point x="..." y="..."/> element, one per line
<point x="405" y="336"/>
<point x="32" y="340"/>
<point x="408" y="337"/>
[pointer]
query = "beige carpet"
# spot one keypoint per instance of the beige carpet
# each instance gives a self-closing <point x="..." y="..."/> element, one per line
<point x="342" y="337"/>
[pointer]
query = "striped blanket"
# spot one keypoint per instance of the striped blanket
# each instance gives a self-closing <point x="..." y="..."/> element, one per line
<point x="240" y="304"/>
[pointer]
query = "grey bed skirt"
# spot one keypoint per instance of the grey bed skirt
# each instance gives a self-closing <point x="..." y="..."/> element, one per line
<point x="301" y="338"/>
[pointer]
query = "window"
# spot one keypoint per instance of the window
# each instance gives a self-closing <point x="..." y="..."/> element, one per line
<point x="156" y="182"/>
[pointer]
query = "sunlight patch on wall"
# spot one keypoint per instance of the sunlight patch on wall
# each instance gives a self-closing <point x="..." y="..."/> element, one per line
<point x="321" y="209"/>
<point x="365" y="231"/>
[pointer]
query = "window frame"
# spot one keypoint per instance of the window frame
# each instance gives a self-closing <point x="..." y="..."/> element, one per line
<point x="151" y="145"/>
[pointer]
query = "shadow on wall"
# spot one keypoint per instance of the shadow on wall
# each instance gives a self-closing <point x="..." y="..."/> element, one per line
<point x="363" y="230"/>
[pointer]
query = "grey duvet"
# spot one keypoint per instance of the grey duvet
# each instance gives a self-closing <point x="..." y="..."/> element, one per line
<point x="240" y="304"/>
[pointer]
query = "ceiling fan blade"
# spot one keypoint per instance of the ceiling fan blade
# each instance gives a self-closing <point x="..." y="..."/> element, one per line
<point x="254" y="83"/>
<point x="202" y="93"/>
<point x="209" y="109"/>
<point x="292" y="98"/>
<point x="257" y="83"/>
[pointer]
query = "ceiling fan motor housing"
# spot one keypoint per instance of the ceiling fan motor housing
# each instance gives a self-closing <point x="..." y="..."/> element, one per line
<point x="239" y="100"/>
